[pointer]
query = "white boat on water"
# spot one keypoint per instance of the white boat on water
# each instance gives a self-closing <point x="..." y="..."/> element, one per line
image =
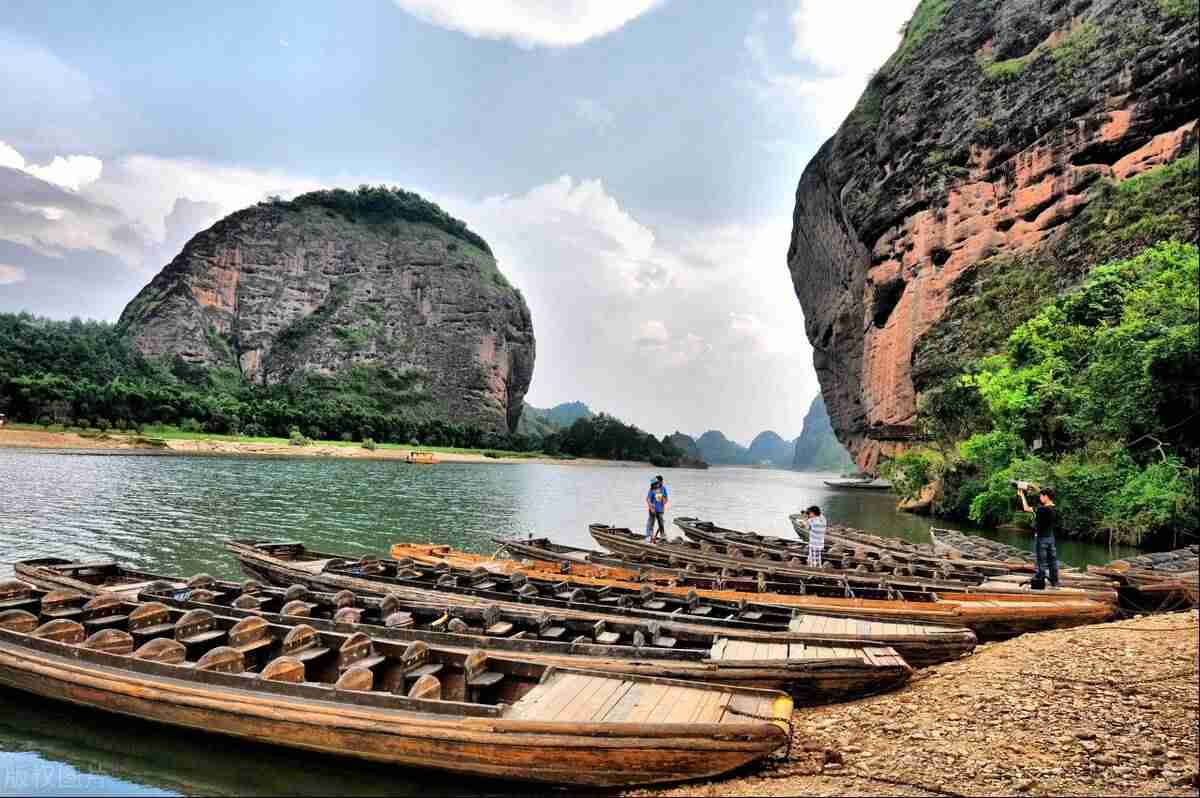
<point x="859" y="484"/>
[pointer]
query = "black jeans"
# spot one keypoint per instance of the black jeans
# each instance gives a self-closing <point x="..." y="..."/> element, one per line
<point x="1047" y="558"/>
<point x="651" y="517"/>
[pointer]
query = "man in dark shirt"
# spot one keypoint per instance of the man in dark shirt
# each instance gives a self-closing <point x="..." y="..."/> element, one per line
<point x="1045" y="520"/>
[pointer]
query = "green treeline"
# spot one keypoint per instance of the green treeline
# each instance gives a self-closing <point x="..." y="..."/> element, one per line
<point x="1097" y="395"/>
<point x="608" y="438"/>
<point x="83" y="373"/>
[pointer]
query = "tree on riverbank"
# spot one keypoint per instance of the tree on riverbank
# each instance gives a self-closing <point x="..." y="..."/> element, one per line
<point x="1097" y="395"/>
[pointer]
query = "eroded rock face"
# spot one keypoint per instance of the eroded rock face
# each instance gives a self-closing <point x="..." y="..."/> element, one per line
<point x="281" y="290"/>
<point x="987" y="137"/>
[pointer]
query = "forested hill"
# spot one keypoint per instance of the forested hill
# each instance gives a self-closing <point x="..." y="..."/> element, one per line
<point x="542" y="421"/>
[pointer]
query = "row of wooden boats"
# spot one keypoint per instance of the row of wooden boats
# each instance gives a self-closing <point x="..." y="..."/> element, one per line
<point x="637" y="664"/>
<point x="347" y="692"/>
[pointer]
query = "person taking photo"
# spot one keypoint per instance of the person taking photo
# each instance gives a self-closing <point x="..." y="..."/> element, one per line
<point x="1045" y="521"/>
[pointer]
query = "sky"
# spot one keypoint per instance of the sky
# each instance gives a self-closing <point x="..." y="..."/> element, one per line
<point x="632" y="163"/>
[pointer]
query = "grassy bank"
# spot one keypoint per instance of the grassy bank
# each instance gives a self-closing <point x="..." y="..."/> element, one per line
<point x="166" y="437"/>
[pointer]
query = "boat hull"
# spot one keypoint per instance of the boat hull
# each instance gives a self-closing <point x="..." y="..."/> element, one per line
<point x="592" y="755"/>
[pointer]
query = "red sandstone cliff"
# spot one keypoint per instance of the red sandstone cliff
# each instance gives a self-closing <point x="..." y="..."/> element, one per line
<point x="976" y="152"/>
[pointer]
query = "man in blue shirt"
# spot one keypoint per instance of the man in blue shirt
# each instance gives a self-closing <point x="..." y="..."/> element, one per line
<point x="657" y="502"/>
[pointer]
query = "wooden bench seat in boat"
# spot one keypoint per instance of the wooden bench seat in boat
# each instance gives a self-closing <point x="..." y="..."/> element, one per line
<point x="298" y="608"/>
<point x="415" y="663"/>
<point x="477" y="677"/>
<point x="103" y="612"/>
<point x="603" y="636"/>
<point x="18" y="621"/>
<point x="61" y="630"/>
<point x="222" y="659"/>
<point x="549" y="629"/>
<point x="17" y="595"/>
<point x="250" y="635"/>
<point x="197" y="629"/>
<point x="304" y="643"/>
<point x="150" y="620"/>
<point x="62" y="603"/>
<point x="391" y="610"/>
<point x="358" y="651"/>
<point x="348" y="615"/>
<point x="111" y="641"/>
<point x="493" y="625"/>
<point x="163" y="649"/>
<point x="649" y="602"/>
<point x="283" y="669"/>
<point x="428" y="687"/>
<point x="248" y="602"/>
<point x="356" y="678"/>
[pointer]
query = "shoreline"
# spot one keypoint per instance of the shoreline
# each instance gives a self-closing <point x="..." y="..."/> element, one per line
<point x="1106" y="709"/>
<point x="122" y="443"/>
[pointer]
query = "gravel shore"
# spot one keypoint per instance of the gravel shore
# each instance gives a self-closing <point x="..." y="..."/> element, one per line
<point x="1110" y="709"/>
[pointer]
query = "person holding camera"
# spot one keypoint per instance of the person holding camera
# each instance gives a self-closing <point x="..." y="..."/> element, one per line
<point x="1045" y="521"/>
<point x="817" y="525"/>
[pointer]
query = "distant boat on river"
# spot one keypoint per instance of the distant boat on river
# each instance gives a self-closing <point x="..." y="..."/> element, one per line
<point x="859" y="484"/>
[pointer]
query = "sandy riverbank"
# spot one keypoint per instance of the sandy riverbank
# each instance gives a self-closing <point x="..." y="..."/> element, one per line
<point x="40" y="439"/>
<point x="1109" y="709"/>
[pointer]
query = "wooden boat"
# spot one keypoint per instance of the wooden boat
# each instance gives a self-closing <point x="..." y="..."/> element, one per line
<point x="1156" y="582"/>
<point x="1015" y="573"/>
<point x="918" y="642"/>
<point x="961" y="546"/>
<point x="749" y="574"/>
<point x="718" y="554"/>
<point x="421" y="458"/>
<point x="992" y="615"/>
<point x="924" y="643"/>
<point x="837" y="557"/>
<point x="407" y="704"/>
<point x="858" y="484"/>
<point x="811" y="673"/>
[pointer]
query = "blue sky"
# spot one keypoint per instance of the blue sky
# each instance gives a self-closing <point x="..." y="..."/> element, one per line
<point x="632" y="162"/>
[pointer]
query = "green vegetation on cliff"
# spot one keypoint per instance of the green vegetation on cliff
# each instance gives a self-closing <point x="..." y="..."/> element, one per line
<point x="380" y="204"/>
<point x="1096" y="394"/>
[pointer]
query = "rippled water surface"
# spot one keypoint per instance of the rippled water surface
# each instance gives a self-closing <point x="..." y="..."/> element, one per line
<point x="170" y="514"/>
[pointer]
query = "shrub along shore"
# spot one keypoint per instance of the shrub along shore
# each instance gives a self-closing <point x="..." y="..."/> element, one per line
<point x="1096" y="395"/>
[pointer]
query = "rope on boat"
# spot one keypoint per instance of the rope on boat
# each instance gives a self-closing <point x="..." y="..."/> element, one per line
<point x="787" y="751"/>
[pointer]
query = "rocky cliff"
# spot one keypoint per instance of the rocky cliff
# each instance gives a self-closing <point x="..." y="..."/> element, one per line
<point x="1006" y="147"/>
<point x="376" y="278"/>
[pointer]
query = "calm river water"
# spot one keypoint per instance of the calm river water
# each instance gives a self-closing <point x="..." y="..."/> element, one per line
<point x="170" y="514"/>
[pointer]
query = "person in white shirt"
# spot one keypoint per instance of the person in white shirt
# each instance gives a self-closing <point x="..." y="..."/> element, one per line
<point x="816" y="535"/>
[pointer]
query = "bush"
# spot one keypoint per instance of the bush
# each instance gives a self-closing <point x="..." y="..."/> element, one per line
<point x="296" y="438"/>
<point x="121" y="424"/>
<point x="45" y="422"/>
<point x="190" y="425"/>
<point x="369" y="444"/>
<point x="102" y="424"/>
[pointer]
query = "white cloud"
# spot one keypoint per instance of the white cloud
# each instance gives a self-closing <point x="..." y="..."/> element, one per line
<point x="530" y="23"/>
<point x="72" y="172"/>
<point x="11" y="275"/>
<point x="840" y="45"/>
<point x="124" y="208"/>
<point x="669" y="327"/>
